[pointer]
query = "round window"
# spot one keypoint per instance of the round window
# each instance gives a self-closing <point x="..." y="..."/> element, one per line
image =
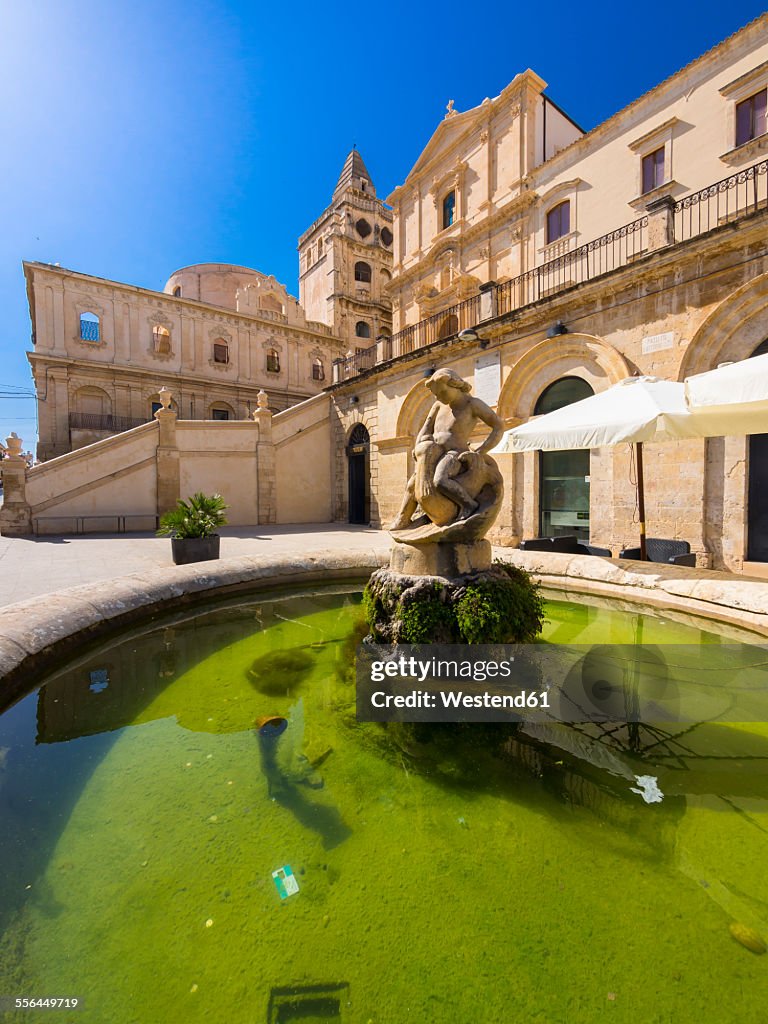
<point x="363" y="227"/>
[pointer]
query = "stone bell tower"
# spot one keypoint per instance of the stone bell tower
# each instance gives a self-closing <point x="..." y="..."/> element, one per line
<point x="345" y="261"/>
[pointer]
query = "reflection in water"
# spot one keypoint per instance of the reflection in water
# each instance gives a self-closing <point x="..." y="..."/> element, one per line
<point x="134" y="817"/>
<point x="286" y="770"/>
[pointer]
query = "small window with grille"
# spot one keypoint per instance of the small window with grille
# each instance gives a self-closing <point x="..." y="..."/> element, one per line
<point x="89" y="327"/>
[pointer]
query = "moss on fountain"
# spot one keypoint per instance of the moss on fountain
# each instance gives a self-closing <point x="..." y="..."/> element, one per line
<point x="499" y="605"/>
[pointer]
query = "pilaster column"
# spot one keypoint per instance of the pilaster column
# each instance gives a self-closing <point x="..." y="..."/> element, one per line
<point x="265" y="462"/>
<point x="661" y="222"/>
<point x="488" y="296"/>
<point x="167" y="456"/>
<point x="15" y="514"/>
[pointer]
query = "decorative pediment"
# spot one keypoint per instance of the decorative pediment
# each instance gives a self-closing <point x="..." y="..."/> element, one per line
<point x="452" y="178"/>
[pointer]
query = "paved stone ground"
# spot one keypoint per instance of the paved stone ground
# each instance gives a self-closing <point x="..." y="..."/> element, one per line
<point x="34" y="566"/>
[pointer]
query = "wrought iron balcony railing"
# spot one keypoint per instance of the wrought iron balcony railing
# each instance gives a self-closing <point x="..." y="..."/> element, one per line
<point x="740" y="194"/>
<point x="103" y="421"/>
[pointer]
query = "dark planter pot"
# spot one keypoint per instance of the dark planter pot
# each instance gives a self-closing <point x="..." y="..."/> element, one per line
<point x="194" y="549"/>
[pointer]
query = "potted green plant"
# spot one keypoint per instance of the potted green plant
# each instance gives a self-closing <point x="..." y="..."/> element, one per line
<point x="192" y="527"/>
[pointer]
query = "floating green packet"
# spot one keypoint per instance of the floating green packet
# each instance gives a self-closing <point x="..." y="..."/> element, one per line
<point x="285" y="882"/>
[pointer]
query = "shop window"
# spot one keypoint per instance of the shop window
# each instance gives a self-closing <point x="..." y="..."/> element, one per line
<point x="563" y="475"/>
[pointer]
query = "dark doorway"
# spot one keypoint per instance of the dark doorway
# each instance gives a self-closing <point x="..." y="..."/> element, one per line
<point x="757" y="501"/>
<point x="563" y="476"/>
<point x="358" y="449"/>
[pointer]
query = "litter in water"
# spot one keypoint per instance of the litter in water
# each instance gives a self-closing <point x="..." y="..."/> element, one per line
<point x="285" y="882"/>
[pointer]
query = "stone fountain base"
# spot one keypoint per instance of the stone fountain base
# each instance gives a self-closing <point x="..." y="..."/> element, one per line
<point x="482" y="605"/>
<point x="448" y="559"/>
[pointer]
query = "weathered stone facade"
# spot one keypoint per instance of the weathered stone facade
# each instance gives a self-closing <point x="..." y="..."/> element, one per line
<point x="664" y="277"/>
<point x="524" y="253"/>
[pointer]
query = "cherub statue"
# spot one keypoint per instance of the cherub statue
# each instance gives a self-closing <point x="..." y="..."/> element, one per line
<point x="458" y="488"/>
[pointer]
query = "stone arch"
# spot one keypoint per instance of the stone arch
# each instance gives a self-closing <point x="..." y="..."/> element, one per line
<point x="91" y="400"/>
<point x="358" y="452"/>
<point x="732" y="331"/>
<point x="221" y="407"/>
<point x="414" y="409"/>
<point x="571" y="355"/>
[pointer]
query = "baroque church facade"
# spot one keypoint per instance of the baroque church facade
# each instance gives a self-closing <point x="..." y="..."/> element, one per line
<point x="542" y="262"/>
<point x="216" y="335"/>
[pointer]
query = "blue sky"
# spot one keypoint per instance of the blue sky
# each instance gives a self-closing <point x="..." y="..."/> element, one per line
<point x="140" y="137"/>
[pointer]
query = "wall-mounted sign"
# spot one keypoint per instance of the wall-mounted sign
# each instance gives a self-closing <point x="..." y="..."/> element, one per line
<point x="658" y="342"/>
<point x="488" y="378"/>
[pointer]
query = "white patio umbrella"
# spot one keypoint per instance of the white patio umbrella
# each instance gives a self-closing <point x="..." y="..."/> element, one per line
<point x="634" y="411"/>
<point x="731" y="400"/>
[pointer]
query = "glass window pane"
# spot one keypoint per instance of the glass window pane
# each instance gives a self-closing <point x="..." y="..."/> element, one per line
<point x="565" y="494"/>
<point x="760" y="105"/>
<point x="743" y="121"/>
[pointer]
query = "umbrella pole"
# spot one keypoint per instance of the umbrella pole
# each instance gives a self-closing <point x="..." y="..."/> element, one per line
<point x="641" y="499"/>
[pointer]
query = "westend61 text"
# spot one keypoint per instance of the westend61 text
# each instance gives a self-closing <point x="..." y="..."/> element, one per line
<point x="459" y="699"/>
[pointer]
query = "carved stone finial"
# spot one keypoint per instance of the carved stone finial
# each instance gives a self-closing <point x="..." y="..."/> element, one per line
<point x="13" y="443"/>
<point x="165" y="397"/>
<point x="449" y="108"/>
<point x="262" y="400"/>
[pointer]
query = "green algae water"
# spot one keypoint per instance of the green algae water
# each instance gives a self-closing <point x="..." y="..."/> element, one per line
<point x="464" y="876"/>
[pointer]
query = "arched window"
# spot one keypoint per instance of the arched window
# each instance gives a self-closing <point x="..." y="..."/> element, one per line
<point x="385" y="275"/>
<point x="273" y="360"/>
<point x="89" y="327"/>
<point x="221" y="411"/>
<point x="309" y="257"/>
<point x="220" y="351"/>
<point x="386" y="236"/>
<point x="362" y="329"/>
<point x="319" y="248"/>
<point x="318" y="370"/>
<point x="363" y="272"/>
<point x="363" y="227"/>
<point x="177" y="291"/>
<point x="385" y="332"/>
<point x="161" y="340"/>
<point x="563" y="476"/>
<point x="449" y="326"/>
<point x="449" y="209"/>
<point x="559" y="221"/>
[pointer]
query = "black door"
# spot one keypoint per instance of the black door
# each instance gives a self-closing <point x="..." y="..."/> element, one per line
<point x="757" y="522"/>
<point x="357" y="474"/>
<point x="757" y="500"/>
<point x="357" y="488"/>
